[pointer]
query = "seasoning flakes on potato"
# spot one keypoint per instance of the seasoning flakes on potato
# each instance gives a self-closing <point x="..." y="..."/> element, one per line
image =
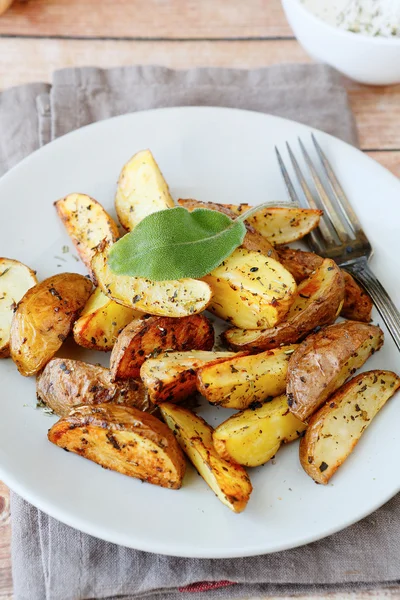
<point x="123" y="439"/>
<point x="335" y="429"/>
<point x="149" y="336"/>
<point x="228" y="480"/>
<point x="15" y="280"/>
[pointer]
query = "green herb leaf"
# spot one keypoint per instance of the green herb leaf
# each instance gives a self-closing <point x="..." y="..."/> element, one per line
<point x="176" y="244"/>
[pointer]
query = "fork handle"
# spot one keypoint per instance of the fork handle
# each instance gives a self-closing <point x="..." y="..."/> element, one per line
<point x="388" y="311"/>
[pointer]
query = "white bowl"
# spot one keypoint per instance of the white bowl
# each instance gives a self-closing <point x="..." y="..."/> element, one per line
<point x="370" y="60"/>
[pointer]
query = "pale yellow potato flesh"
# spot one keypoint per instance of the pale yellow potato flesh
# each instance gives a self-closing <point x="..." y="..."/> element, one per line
<point x="335" y="429"/>
<point x="15" y="280"/>
<point x="101" y="322"/>
<point x="251" y="290"/>
<point x="241" y="381"/>
<point x="142" y="190"/>
<point x="229" y="481"/>
<point x="253" y="436"/>
<point x="178" y="298"/>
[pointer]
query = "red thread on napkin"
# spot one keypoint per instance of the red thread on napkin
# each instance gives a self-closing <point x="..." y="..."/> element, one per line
<point x="205" y="586"/>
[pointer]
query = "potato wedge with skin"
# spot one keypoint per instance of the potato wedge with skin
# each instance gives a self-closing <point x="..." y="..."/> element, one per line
<point x="142" y="190"/>
<point x="87" y="224"/>
<point x="44" y="318"/>
<point x="322" y="363"/>
<point x="65" y="384"/>
<point x="250" y="290"/>
<point x="15" y="280"/>
<point x="150" y="336"/>
<point x="179" y="298"/>
<point x="171" y="377"/>
<point x="101" y="321"/>
<point x="357" y="305"/>
<point x="229" y="481"/>
<point x="281" y="225"/>
<point x="253" y="240"/>
<point x="335" y="429"/>
<point x="123" y="439"/>
<point x="242" y="381"/>
<point x="252" y="437"/>
<point x="317" y="302"/>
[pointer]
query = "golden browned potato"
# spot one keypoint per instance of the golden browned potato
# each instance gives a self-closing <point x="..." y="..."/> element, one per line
<point x="44" y="318"/>
<point x="357" y="305"/>
<point x="101" y="321"/>
<point x="317" y="302"/>
<point x="142" y="190"/>
<point x="252" y="437"/>
<point x="281" y="225"/>
<point x="242" y="381"/>
<point x="178" y="298"/>
<point x="149" y="336"/>
<point x="251" y="290"/>
<point x="253" y="240"/>
<point x="323" y="362"/>
<point x="123" y="439"/>
<point x="65" y="384"/>
<point x="87" y="224"/>
<point x="15" y="280"/>
<point x="229" y="481"/>
<point x="335" y="429"/>
<point x="171" y="376"/>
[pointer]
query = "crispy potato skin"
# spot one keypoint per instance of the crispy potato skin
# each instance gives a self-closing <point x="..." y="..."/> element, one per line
<point x="87" y="224"/>
<point x="228" y="480"/>
<point x="335" y="429"/>
<point x="241" y="381"/>
<point x="323" y="362"/>
<point x="147" y="336"/>
<point x="317" y="302"/>
<point x="253" y="240"/>
<point x="252" y="437"/>
<point x="171" y="376"/>
<point x="65" y="384"/>
<point x="44" y="318"/>
<point x="123" y="439"/>
<point x="357" y="304"/>
<point x="101" y="321"/>
<point x="15" y="280"/>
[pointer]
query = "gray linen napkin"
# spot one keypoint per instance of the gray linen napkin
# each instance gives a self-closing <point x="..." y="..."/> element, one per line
<point x="55" y="562"/>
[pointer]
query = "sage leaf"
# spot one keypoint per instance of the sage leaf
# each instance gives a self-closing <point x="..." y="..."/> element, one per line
<point x="177" y="244"/>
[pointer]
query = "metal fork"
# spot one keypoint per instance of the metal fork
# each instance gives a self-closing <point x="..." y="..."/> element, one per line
<point x="339" y="235"/>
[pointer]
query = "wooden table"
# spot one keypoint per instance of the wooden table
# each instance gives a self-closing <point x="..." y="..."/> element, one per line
<point x="39" y="36"/>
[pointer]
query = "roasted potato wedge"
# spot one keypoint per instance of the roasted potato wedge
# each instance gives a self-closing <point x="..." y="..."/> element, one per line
<point x="123" y="439"/>
<point x="252" y="437"/>
<point x="322" y="363"/>
<point x="317" y="302"/>
<point x="65" y="384"/>
<point x="335" y="429"/>
<point x="164" y="298"/>
<point x="44" y="318"/>
<point x="171" y="377"/>
<point x="142" y="190"/>
<point x="87" y="224"/>
<point x="242" y="381"/>
<point x="149" y="336"/>
<point x="229" y="481"/>
<point x="253" y="240"/>
<point x="357" y="305"/>
<point x="281" y="225"/>
<point x="15" y="280"/>
<point x="101" y="321"/>
<point x="251" y="290"/>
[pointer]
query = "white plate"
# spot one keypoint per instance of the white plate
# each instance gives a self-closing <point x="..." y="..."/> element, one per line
<point x="211" y="154"/>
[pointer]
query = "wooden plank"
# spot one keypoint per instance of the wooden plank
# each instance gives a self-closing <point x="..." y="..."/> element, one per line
<point x="389" y="160"/>
<point x="5" y="544"/>
<point x="153" y="18"/>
